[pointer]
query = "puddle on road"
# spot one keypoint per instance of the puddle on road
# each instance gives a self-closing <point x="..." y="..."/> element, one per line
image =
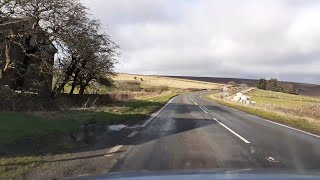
<point x="116" y="127"/>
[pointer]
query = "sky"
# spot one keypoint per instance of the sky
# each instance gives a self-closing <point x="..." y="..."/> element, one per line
<point x="215" y="38"/>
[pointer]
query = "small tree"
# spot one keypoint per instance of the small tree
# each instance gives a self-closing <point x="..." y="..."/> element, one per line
<point x="274" y="85"/>
<point x="141" y="79"/>
<point x="288" y="88"/>
<point x="262" y="84"/>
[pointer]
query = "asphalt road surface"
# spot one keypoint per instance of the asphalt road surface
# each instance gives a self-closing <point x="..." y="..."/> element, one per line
<point x="193" y="133"/>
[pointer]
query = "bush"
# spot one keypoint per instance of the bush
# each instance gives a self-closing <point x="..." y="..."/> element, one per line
<point x="159" y="89"/>
<point x="129" y="86"/>
<point x="105" y="81"/>
<point x="262" y="84"/>
<point x="163" y="88"/>
<point x="150" y="89"/>
<point x="132" y="83"/>
<point x="274" y="85"/>
<point x="288" y="88"/>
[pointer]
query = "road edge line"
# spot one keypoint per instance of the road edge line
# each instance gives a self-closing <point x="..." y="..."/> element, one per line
<point x="133" y="134"/>
<point x="113" y="150"/>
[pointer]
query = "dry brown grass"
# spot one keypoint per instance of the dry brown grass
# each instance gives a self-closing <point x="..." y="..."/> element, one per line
<point x="165" y="81"/>
<point x="292" y="105"/>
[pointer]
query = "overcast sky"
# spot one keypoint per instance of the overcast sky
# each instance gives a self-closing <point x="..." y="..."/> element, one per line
<point x="218" y="38"/>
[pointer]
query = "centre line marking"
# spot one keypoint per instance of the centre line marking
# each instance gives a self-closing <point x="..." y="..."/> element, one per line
<point x="133" y="134"/>
<point x="203" y="110"/>
<point x="195" y="103"/>
<point x="236" y="134"/>
<point x="113" y="150"/>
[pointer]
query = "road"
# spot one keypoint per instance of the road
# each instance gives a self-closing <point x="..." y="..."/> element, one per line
<point x="193" y="133"/>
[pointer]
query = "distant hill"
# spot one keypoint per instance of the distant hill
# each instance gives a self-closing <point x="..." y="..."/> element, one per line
<point x="304" y="89"/>
<point x="149" y="81"/>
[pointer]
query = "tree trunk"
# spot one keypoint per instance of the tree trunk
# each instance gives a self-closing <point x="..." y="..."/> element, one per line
<point x="83" y="88"/>
<point x="75" y="80"/>
<point x="73" y="87"/>
<point x="7" y="62"/>
<point x="67" y="75"/>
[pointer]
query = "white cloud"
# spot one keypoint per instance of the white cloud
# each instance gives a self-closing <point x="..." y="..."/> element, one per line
<point x="246" y="39"/>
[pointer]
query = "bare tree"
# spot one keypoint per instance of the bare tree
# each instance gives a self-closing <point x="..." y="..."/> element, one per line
<point x="31" y="26"/>
<point x="84" y="53"/>
<point x="92" y="59"/>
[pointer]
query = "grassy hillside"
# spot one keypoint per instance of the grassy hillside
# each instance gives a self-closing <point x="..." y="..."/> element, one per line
<point x="166" y="81"/>
<point x="148" y="83"/>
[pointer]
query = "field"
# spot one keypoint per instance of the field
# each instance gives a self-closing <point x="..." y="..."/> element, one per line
<point x="169" y="82"/>
<point x="298" y="111"/>
<point x="294" y="105"/>
<point x="149" y="82"/>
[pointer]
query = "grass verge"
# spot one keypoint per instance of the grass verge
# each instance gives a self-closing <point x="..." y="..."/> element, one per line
<point x="16" y="126"/>
<point x="296" y="122"/>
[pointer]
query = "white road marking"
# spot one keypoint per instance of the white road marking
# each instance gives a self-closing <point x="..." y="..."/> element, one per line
<point x="195" y="103"/>
<point x="203" y="110"/>
<point x="133" y="134"/>
<point x="113" y="150"/>
<point x="191" y="98"/>
<point x="133" y="127"/>
<point x="240" y="170"/>
<point x="279" y="124"/>
<point x="236" y="134"/>
<point x="153" y="116"/>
